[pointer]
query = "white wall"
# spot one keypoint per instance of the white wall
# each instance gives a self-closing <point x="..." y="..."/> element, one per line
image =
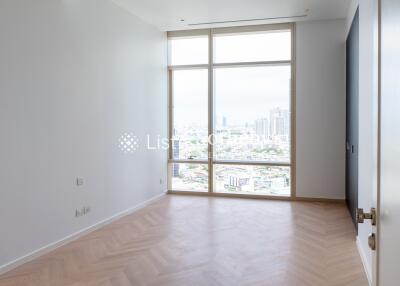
<point x="74" y="76"/>
<point x="321" y="109"/>
<point x="368" y="118"/>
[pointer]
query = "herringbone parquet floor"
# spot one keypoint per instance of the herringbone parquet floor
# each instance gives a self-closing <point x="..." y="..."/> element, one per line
<point x="201" y="241"/>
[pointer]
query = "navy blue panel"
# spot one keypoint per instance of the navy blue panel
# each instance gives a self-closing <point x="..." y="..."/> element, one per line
<point x="352" y="94"/>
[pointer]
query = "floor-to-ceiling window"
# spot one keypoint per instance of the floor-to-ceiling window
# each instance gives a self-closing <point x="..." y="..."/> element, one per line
<point x="231" y="110"/>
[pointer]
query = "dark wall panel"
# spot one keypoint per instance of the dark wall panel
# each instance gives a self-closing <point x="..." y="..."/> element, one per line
<point x="352" y="94"/>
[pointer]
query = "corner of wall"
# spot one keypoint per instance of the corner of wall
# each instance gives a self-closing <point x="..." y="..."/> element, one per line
<point x="351" y="11"/>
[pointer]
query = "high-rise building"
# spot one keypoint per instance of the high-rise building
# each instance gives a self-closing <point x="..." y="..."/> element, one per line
<point x="175" y="148"/>
<point x="224" y="122"/>
<point x="262" y="127"/>
<point x="175" y="155"/>
<point x="279" y="122"/>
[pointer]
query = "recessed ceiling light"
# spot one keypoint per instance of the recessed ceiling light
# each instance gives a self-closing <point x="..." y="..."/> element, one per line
<point x="182" y="20"/>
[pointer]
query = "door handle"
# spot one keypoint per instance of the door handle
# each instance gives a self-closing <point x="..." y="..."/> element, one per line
<point x="361" y="215"/>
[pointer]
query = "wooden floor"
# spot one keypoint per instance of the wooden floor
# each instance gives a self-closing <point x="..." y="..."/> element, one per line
<point x="201" y="241"/>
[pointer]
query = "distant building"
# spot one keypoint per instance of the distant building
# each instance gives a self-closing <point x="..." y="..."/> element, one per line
<point x="262" y="127"/>
<point x="175" y="148"/>
<point x="224" y="121"/>
<point x="237" y="181"/>
<point x="279" y="122"/>
<point x="175" y="155"/>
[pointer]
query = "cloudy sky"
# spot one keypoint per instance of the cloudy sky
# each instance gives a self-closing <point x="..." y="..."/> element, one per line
<point x="241" y="94"/>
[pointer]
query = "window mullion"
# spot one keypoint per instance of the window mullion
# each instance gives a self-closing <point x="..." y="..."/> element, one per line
<point x="210" y="112"/>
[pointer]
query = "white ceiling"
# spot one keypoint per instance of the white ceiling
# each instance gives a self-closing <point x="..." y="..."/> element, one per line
<point x="167" y="14"/>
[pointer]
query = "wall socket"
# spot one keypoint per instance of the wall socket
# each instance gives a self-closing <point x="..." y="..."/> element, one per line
<point x="161" y="182"/>
<point x="83" y="211"/>
<point x="79" y="181"/>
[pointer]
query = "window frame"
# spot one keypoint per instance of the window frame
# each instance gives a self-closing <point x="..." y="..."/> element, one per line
<point x="210" y="66"/>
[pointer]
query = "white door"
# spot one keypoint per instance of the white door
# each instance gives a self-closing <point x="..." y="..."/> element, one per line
<point x="368" y="128"/>
<point x="389" y="222"/>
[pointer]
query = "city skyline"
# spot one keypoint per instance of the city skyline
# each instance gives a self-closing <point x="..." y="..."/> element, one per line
<point x="265" y="139"/>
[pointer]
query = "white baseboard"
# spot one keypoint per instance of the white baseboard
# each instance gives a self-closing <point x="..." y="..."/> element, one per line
<point x="52" y="246"/>
<point x="367" y="268"/>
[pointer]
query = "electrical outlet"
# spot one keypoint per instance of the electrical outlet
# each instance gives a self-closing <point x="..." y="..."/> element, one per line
<point x="83" y="211"/>
<point x="79" y="181"/>
<point x="78" y="213"/>
<point x="161" y="182"/>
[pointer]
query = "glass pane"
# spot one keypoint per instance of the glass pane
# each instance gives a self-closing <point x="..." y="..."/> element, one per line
<point x="258" y="180"/>
<point x="188" y="51"/>
<point x="190" y="114"/>
<point x="251" y="47"/>
<point x="189" y="177"/>
<point x="252" y="113"/>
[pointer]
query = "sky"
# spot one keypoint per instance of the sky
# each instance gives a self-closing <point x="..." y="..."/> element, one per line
<point x="242" y="94"/>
